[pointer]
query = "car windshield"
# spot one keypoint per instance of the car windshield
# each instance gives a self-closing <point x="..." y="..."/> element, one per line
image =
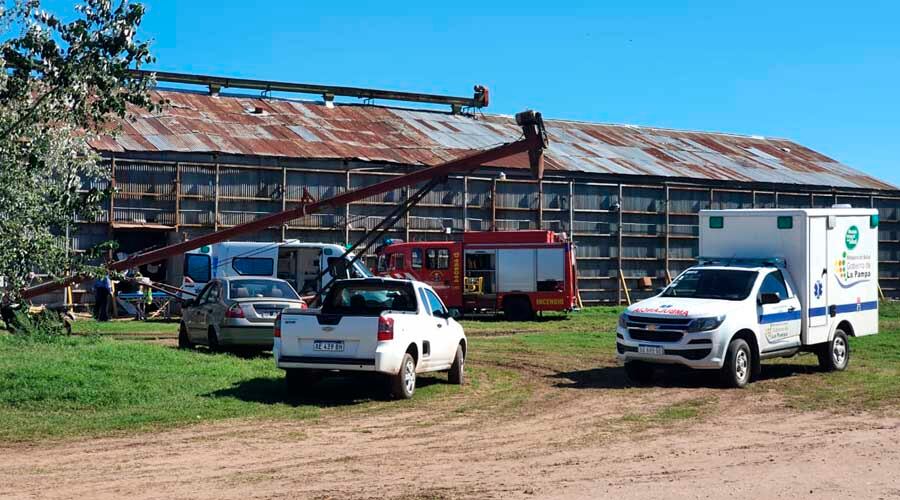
<point x="725" y="284"/>
<point x="369" y="299"/>
<point x="261" y="289"/>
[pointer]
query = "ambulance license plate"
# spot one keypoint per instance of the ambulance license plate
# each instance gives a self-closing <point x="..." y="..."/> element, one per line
<point x="328" y="345"/>
<point x="651" y="349"/>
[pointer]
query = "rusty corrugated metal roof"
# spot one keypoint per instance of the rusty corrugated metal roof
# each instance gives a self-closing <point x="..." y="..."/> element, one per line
<point x="247" y="125"/>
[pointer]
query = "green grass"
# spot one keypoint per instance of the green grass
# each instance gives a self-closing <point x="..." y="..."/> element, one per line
<point x="126" y="327"/>
<point x="96" y="384"/>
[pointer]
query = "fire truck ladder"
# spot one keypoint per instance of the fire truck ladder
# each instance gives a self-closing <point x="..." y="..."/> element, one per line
<point x="534" y="141"/>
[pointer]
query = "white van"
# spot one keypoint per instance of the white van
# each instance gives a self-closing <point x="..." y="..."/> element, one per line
<point x="296" y="262"/>
<point x="770" y="283"/>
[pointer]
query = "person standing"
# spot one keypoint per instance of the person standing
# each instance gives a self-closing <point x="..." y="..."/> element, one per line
<point x="102" y="290"/>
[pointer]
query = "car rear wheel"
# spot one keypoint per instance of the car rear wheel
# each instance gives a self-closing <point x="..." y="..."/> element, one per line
<point x="457" y="370"/>
<point x="835" y="355"/>
<point x="403" y="385"/>
<point x="184" y="340"/>
<point x="738" y="364"/>
<point x="213" y="340"/>
<point x="639" y="372"/>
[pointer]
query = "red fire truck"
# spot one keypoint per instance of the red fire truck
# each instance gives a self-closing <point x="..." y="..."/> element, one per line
<point x="517" y="272"/>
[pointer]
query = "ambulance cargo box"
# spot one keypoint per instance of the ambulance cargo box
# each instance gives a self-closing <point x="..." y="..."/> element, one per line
<point x="831" y="254"/>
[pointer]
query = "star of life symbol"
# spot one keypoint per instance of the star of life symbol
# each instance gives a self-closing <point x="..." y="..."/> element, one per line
<point x="858" y="304"/>
<point x="818" y="289"/>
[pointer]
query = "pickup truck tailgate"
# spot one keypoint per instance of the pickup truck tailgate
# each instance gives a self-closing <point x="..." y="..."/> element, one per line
<point x="321" y="337"/>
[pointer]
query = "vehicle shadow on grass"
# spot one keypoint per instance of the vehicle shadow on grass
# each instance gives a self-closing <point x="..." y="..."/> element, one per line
<point x="330" y="391"/>
<point x="242" y="353"/>
<point x="499" y="318"/>
<point x="613" y="377"/>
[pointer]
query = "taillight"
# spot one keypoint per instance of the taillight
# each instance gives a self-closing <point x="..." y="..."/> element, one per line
<point x="234" y="311"/>
<point x="385" y="328"/>
<point x="278" y="326"/>
<point x="303" y="305"/>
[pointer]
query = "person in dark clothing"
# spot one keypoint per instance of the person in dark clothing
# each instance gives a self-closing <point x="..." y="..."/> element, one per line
<point x="102" y="290"/>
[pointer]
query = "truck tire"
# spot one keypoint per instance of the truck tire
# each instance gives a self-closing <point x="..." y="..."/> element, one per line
<point x="457" y="369"/>
<point x="403" y="384"/>
<point x="184" y="340"/>
<point x="834" y="356"/>
<point x="517" y="309"/>
<point x="639" y="372"/>
<point x="738" y="365"/>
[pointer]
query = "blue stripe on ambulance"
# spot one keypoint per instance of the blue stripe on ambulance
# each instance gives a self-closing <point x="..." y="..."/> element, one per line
<point x="818" y="311"/>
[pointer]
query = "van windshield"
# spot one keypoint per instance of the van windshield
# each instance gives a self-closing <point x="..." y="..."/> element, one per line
<point x="724" y="284"/>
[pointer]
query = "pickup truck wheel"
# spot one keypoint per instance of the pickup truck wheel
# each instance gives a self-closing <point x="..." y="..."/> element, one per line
<point x="297" y="380"/>
<point x="184" y="340"/>
<point x="457" y="369"/>
<point x="404" y="382"/>
<point x="835" y="355"/>
<point x="738" y="364"/>
<point x="639" y="372"/>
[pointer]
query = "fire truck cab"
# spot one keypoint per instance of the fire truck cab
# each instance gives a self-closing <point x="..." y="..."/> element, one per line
<point x="517" y="272"/>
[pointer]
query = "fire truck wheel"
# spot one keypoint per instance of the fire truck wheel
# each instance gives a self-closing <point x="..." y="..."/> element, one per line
<point x="457" y="370"/>
<point x="184" y="340"/>
<point x="517" y="309"/>
<point x="835" y="355"/>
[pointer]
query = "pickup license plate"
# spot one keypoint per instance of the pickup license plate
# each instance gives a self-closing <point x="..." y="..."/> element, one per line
<point x="651" y="349"/>
<point x="328" y="345"/>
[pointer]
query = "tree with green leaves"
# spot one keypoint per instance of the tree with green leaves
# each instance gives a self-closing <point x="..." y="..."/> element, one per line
<point x="62" y="82"/>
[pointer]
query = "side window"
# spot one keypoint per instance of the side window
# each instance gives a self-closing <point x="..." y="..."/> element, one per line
<point x="399" y="261"/>
<point x="774" y="283"/>
<point x="424" y="298"/>
<point x="213" y="295"/>
<point x="204" y="294"/>
<point x="416" y="255"/>
<point x="434" y="302"/>
<point x="437" y="258"/>
<point x="383" y="263"/>
<point x="253" y="266"/>
<point x="197" y="267"/>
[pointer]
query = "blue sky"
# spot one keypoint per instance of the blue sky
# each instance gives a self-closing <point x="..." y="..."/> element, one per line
<point x="822" y="73"/>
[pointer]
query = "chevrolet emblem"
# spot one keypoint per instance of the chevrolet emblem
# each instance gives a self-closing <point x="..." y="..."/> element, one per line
<point x="651" y="327"/>
<point x="327" y="328"/>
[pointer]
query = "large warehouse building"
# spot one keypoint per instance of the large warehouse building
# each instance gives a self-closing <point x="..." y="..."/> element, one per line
<point x="628" y="195"/>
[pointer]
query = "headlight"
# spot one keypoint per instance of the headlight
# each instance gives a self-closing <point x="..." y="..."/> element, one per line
<point x="623" y="320"/>
<point x="705" y="324"/>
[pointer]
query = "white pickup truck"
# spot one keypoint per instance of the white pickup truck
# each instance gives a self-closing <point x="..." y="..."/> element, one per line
<point x="772" y="283"/>
<point x="387" y="326"/>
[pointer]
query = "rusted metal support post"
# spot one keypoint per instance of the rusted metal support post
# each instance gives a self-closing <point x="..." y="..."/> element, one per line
<point x="621" y="282"/>
<point x="666" y="228"/>
<point x="216" y="201"/>
<point x="494" y="204"/>
<point x="177" y="195"/>
<point x="284" y="225"/>
<point x="540" y="214"/>
<point x="571" y="211"/>
<point x="347" y="209"/>
<point x="465" y="203"/>
<point x="407" y="219"/>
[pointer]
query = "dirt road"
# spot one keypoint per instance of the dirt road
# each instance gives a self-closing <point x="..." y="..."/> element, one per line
<point x="566" y="442"/>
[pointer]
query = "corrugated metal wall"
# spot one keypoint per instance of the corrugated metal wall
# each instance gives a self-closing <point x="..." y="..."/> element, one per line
<point x="642" y="230"/>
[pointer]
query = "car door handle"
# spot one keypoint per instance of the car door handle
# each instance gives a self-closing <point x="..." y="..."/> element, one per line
<point x="792" y="309"/>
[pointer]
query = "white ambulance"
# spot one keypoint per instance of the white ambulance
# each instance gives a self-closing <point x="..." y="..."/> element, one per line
<point x="299" y="263"/>
<point x="770" y="283"/>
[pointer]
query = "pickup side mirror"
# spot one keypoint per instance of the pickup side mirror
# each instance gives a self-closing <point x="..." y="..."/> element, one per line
<point x="769" y="298"/>
<point x="455" y="314"/>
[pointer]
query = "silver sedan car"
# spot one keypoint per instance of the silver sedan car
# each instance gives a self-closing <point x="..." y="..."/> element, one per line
<point x="236" y="312"/>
